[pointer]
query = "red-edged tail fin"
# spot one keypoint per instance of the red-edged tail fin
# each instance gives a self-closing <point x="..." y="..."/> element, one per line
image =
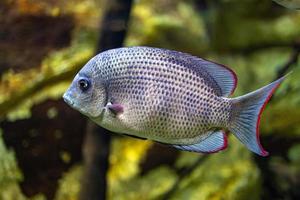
<point x="245" y="117"/>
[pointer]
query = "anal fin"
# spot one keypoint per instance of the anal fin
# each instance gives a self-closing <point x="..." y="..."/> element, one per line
<point x="217" y="141"/>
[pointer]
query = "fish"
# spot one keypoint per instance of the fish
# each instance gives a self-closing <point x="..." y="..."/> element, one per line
<point x="170" y="97"/>
<point x="291" y="4"/>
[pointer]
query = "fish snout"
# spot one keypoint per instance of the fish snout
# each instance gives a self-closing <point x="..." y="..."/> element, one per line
<point x="68" y="99"/>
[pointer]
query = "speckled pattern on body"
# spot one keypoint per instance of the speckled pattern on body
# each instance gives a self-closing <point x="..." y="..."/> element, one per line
<point x="165" y="96"/>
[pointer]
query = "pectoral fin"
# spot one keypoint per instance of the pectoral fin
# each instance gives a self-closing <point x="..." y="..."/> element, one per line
<point x="115" y="108"/>
<point x="217" y="141"/>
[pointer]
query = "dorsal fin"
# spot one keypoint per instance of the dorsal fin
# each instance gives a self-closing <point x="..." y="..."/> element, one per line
<point x="216" y="75"/>
<point x="225" y="77"/>
<point x="215" y="142"/>
<point x="222" y="79"/>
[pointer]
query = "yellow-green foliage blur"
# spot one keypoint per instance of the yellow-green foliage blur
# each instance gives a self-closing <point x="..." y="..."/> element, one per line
<point x="254" y="37"/>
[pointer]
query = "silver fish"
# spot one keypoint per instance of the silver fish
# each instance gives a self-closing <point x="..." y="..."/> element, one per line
<point x="291" y="4"/>
<point x="169" y="97"/>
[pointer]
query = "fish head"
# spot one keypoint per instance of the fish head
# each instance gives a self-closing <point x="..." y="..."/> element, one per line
<point x="87" y="92"/>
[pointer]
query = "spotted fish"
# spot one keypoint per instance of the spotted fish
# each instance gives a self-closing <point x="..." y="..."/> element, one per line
<point x="169" y="97"/>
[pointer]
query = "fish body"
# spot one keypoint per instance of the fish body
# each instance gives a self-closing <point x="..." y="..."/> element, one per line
<point x="291" y="4"/>
<point x="169" y="97"/>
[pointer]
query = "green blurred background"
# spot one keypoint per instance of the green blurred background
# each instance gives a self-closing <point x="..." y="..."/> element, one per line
<point x="43" y="43"/>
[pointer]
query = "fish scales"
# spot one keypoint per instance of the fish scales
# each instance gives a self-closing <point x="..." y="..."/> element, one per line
<point x="165" y="99"/>
<point x="169" y="97"/>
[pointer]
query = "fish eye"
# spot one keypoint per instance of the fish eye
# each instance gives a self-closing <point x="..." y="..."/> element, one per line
<point x="84" y="84"/>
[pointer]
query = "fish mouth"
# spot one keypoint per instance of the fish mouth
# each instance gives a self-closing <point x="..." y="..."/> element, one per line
<point x="68" y="100"/>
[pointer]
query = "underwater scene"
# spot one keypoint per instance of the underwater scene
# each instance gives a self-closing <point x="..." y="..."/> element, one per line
<point x="55" y="148"/>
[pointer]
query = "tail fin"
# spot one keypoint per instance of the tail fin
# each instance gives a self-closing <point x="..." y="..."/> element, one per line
<point x="246" y="113"/>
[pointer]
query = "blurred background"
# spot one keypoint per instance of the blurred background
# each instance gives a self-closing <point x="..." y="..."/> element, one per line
<point x="49" y="151"/>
